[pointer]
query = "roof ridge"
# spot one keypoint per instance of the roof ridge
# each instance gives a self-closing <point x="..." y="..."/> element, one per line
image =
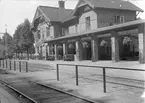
<point x="48" y="6"/>
<point x="53" y="7"/>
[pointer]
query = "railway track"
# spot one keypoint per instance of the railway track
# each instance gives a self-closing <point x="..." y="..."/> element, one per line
<point x="39" y="93"/>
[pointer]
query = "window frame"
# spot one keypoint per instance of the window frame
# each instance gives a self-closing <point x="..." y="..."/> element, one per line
<point x="88" y="23"/>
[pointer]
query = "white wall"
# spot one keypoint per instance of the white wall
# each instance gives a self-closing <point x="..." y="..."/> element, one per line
<point x="93" y="21"/>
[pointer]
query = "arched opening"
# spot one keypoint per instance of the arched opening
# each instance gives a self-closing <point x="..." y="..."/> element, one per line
<point x="104" y="49"/>
<point x="71" y="48"/>
<point x="52" y="51"/>
<point x="60" y="52"/>
<point x="129" y="48"/>
<point x="87" y="50"/>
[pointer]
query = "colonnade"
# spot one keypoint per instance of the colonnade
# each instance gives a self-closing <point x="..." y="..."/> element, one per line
<point x="95" y="46"/>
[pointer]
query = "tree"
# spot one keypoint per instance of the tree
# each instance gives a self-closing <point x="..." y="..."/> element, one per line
<point x="23" y="38"/>
<point x="7" y="40"/>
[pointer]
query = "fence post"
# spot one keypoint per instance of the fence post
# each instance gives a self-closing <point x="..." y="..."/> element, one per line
<point x="77" y="82"/>
<point x="6" y="64"/>
<point x="20" y="66"/>
<point x="104" y="80"/>
<point x="57" y="71"/>
<point x="0" y="63"/>
<point x="3" y="63"/>
<point x="10" y="64"/>
<point x="14" y="65"/>
<point x="26" y="66"/>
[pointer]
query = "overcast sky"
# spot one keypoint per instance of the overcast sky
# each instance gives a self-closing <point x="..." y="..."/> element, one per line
<point x="13" y="12"/>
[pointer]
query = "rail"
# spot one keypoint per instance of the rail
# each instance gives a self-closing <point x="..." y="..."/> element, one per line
<point x="104" y="72"/>
<point x="14" y="89"/>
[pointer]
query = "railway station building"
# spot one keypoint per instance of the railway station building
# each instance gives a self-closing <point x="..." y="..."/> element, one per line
<point x="95" y="30"/>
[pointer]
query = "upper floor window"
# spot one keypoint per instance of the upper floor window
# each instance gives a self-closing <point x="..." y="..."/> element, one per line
<point x="118" y="19"/>
<point x="47" y="31"/>
<point x="88" y="24"/>
<point x="62" y="32"/>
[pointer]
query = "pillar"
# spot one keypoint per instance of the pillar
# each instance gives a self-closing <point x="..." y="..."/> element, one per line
<point x="56" y="51"/>
<point x="115" y="46"/>
<point x="65" y="48"/>
<point x="48" y="50"/>
<point x="79" y="50"/>
<point x="141" y="39"/>
<point x="94" y="48"/>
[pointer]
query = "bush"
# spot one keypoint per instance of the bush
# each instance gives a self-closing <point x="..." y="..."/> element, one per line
<point x="69" y="57"/>
<point x="50" y="57"/>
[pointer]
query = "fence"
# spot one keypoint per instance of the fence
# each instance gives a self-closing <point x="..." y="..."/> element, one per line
<point x="104" y="72"/>
<point x="8" y="64"/>
<point x="13" y="63"/>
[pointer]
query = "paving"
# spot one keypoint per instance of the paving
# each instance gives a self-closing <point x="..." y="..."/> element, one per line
<point x="92" y="89"/>
<point x="5" y="97"/>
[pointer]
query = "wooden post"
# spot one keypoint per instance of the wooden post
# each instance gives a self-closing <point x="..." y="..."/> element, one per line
<point x="10" y="64"/>
<point x="57" y="71"/>
<point x="77" y="82"/>
<point x="104" y="80"/>
<point x="20" y="66"/>
<point x="0" y="63"/>
<point x="26" y="67"/>
<point x="3" y="63"/>
<point x="14" y="65"/>
<point x="6" y="64"/>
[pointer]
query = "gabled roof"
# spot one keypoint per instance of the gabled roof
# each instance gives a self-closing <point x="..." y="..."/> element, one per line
<point x="110" y="4"/>
<point x="61" y="15"/>
<point x="69" y="17"/>
<point x="54" y="13"/>
<point x="115" y="4"/>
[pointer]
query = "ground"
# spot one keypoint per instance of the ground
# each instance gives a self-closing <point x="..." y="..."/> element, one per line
<point x="90" y="85"/>
<point x="6" y="97"/>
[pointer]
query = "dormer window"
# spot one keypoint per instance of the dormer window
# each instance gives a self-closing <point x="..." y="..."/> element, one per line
<point x="88" y="24"/>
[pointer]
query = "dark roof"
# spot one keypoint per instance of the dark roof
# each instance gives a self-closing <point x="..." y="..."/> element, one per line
<point x="110" y="4"/>
<point x="61" y="15"/>
<point x="54" y="13"/>
<point x="115" y="4"/>
<point x="69" y="17"/>
<point x="118" y="27"/>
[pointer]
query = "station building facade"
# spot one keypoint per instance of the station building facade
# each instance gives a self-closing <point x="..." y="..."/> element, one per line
<point x="94" y="30"/>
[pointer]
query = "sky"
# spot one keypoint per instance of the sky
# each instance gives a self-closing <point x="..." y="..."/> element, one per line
<point x="14" y="12"/>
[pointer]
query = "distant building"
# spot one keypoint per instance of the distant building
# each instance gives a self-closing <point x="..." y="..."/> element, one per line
<point x="94" y="30"/>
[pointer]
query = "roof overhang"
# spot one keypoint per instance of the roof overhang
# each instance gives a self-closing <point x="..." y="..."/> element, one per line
<point x="103" y="30"/>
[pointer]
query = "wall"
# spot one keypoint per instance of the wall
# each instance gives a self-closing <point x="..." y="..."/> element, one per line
<point x="57" y="30"/>
<point x="40" y="42"/>
<point x="106" y="16"/>
<point x="93" y="21"/>
<point x="78" y="25"/>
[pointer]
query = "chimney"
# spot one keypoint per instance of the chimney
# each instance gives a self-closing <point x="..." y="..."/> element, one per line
<point x="61" y="4"/>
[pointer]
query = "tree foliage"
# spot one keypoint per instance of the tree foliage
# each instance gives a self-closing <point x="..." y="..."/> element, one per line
<point x="7" y="40"/>
<point x="23" y="37"/>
